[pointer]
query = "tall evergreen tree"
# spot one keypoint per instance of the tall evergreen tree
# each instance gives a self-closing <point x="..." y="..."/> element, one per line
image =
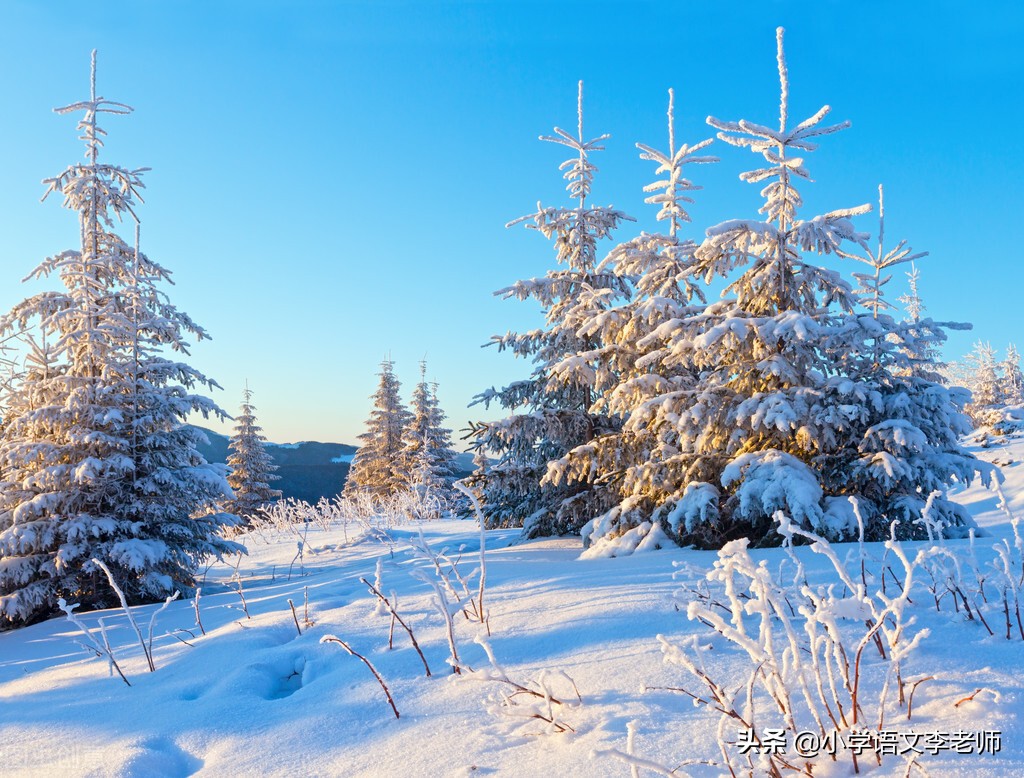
<point x="912" y="302"/>
<point x="1013" y="379"/>
<point x="251" y="466"/>
<point x="986" y="383"/>
<point x="923" y="351"/>
<point x="756" y="356"/>
<point x="785" y="397"/>
<point x="430" y="460"/>
<point x="95" y="460"/>
<point x="903" y="448"/>
<point x="380" y="467"/>
<point x="630" y="462"/>
<point x="551" y="410"/>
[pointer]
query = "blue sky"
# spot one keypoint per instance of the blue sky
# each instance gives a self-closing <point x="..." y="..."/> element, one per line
<point x="331" y="180"/>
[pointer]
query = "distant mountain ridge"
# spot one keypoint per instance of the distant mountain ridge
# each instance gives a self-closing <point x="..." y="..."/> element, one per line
<point x="309" y="469"/>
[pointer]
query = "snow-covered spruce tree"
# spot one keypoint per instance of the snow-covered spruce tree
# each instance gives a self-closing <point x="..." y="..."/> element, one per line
<point x="904" y="447"/>
<point x="96" y="461"/>
<point x="251" y="468"/>
<point x="430" y="459"/>
<point x="8" y="376"/>
<point x="919" y="347"/>
<point x="985" y="381"/>
<point x="925" y="354"/>
<point x="551" y="411"/>
<point x="633" y="462"/>
<point x="742" y="434"/>
<point x="379" y="467"/>
<point x="995" y="389"/>
<point x="475" y="482"/>
<point x="1012" y="422"/>
<point x="1013" y="379"/>
<point x="912" y="302"/>
<point x="782" y="406"/>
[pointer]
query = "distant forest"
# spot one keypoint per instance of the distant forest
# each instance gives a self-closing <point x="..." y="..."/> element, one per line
<point x="307" y="469"/>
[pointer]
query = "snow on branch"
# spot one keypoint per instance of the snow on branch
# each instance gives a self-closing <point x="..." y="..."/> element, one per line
<point x="365" y="661"/>
<point x="870" y="289"/>
<point x="579" y="170"/>
<point x="782" y="198"/>
<point x="671" y="189"/>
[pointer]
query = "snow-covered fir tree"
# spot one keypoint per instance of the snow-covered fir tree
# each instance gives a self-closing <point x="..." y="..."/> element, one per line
<point x="8" y="376"/>
<point x="1013" y="379"/>
<point x="251" y="468"/>
<point x="912" y="302"/>
<point x="917" y="338"/>
<point x="380" y="466"/>
<point x="95" y="460"/>
<point x="907" y="434"/>
<point x="429" y="457"/>
<point x="995" y="387"/>
<point x="985" y="381"/>
<point x="1012" y="422"/>
<point x="791" y="403"/>
<point x="925" y="354"/>
<point x="630" y="462"/>
<point x="551" y="411"/>
<point x="755" y="357"/>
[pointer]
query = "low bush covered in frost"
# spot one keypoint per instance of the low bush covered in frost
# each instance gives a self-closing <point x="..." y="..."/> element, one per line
<point x="832" y="654"/>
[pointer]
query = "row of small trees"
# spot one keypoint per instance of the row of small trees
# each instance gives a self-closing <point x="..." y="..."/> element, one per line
<point x="403" y="450"/>
<point x="996" y="385"/>
<point x="652" y="410"/>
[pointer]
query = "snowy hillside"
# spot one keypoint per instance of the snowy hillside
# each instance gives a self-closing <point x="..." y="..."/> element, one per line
<point x="252" y="696"/>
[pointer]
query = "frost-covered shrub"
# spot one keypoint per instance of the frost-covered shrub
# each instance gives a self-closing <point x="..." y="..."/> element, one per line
<point x="358" y="515"/>
<point x="806" y="643"/>
<point x="544" y="698"/>
<point x="987" y="595"/>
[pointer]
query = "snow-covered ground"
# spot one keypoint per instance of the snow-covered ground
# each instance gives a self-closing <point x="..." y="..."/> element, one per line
<point x="254" y="697"/>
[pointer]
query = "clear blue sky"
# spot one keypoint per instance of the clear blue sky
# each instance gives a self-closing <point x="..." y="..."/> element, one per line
<point x="331" y="180"/>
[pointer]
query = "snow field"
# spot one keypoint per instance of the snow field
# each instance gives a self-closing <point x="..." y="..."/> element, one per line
<point x="253" y="697"/>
